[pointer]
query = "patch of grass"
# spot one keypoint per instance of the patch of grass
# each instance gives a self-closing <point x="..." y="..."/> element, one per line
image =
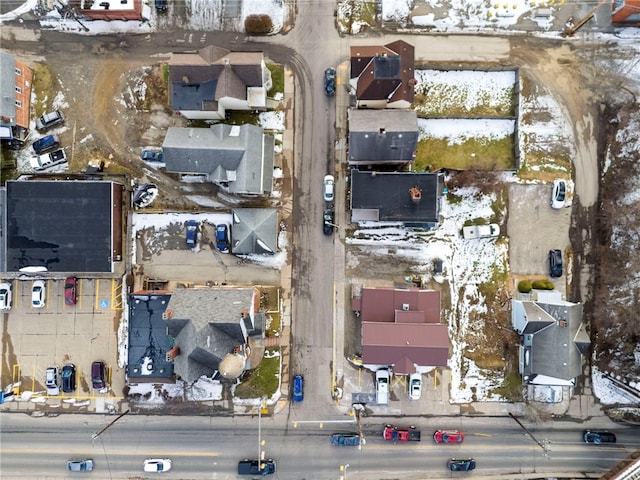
<point x="473" y="154"/>
<point x="238" y="117"/>
<point x="435" y="104"/>
<point x="44" y="85"/>
<point x="277" y="77"/>
<point x="499" y="276"/>
<point x="511" y="387"/>
<point x="263" y="381"/>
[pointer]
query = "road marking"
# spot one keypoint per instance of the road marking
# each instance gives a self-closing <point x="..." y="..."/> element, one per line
<point x="122" y="453"/>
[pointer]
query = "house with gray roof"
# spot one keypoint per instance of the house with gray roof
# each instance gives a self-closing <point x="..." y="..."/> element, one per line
<point x="255" y="230"/>
<point x="237" y="157"/>
<point x="382" y="137"/>
<point x="206" y="83"/>
<point x="553" y="339"/>
<point x="209" y="324"/>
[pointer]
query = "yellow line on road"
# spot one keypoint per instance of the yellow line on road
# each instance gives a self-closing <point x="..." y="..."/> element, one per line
<point x="127" y="453"/>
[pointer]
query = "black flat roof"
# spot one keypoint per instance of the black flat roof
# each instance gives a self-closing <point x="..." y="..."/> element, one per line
<point x="388" y="194"/>
<point x="65" y="226"/>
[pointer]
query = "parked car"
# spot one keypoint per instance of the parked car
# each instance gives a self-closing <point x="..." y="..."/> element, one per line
<point x="448" y="436"/>
<point x="222" y="237"/>
<point x="80" y="465"/>
<point x="401" y="434"/>
<point x="45" y="144"/>
<point x="327" y="188"/>
<point x="192" y="233"/>
<point x="598" y="437"/>
<point x="345" y="439"/>
<point x="152" y="155"/>
<point x="50" y="119"/>
<point x="298" y="388"/>
<point x="98" y="375"/>
<point x="52" y="380"/>
<point x="382" y="386"/>
<point x="327" y="222"/>
<point x="38" y="294"/>
<point x="71" y="290"/>
<point x="256" y="467"/>
<point x="330" y="81"/>
<point x="69" y="378"/>
<point x="157" y="465"/>
<point x="555" y="263"/>
<point x="415" y="386"/>
<point x="161" y="6"/>
<point x="558" y="194"/>
<point x="48" y="160"/>
<point x="461" y="465"/>
<point x="5" y="296"/>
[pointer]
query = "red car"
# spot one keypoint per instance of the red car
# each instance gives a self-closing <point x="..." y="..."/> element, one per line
<point x="71" y="290"/>
<point x="448" y="436"/>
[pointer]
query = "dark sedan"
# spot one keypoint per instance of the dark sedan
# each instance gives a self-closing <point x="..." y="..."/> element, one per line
<point x="555" y="263"/>
<point x="461" y="465"/>
<point x="330" y="81"/>
<point x="327" y="219"/>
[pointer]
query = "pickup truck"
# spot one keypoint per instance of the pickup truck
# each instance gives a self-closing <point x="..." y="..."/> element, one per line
<point x="481" y="231"/>
<point x="48" y="160"/>
<point x="401" y="434"/>
<point x="345" y="439"/>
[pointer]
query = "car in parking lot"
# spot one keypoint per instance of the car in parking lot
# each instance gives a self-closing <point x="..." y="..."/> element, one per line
<point x="52" y="381"/>
<point x="192" y="233"/>
<point x="71" y="290"/>
<point x="50" y="119"/>
<point x="38" y="293"/>
<point x="558" y="193"/>
<point x="98" y="375"/>
<point x="555" y="263"/>
<point x="222" y="237"/>
<point x="598" y="436"/>
<point x="327" y="222"/>
<point x="256" y="467"/>
<point x="157" y="465"/>
<point x="298" y="388"/>
<point x="448" y="436"/>
<point x="330" y="81"/>
<point x="46" y="143"/>
<point x="415" y="386"/>
<point x="327" y="188"/>
<point x="5" y="296"/>
<point x="80" y="465"/>
<point x="461" y="465"/>
<point x="69" y="378"/>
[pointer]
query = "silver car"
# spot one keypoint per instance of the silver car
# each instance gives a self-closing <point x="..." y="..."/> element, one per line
<point x="52" y="381"/>
<point x="5" y="296"/>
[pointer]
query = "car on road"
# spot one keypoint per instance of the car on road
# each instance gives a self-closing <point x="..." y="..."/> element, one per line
<point x="345" y="439"/>
<point x="327" y="222"/>
<point x="38" y="293"/>
<point x="559" y="193"/>
<point x="327" y="188"/>
<point x="330" y="81"/>
<point x="598" y="436"/>
<point x="415" y="386"/>
<point x="555" y="263"/>
<point x="222" y="237"/>
<point x="69" y="378"/>
<point x="157" y="465"/>
<point x="448" y="436"/>
<point x="52" y="381"/>
<point x="98" y="374"/>
<point x="298" y="388"/>
<point x="50" y="119"/>
<point x="461" y="465"/>
<point x="152" y="155"/>
<point x="46" y="143"/>
<point x="192" y="233"/>
<point x="80" y="465"/>
<point x="71" y="291"/>
<point x="5" y="296"/>
<point x="256" y="467"/>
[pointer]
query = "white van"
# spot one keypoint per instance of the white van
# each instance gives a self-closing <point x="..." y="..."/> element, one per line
<point x="382" y="386"/>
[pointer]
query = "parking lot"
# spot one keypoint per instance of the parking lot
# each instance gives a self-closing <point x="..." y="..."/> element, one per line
<point x="57" y="334"/>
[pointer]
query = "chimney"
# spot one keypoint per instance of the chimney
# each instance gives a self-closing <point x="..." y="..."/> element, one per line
<point x="185" y="79"/>
<point x="382" y="131"/>
<point x="416" y="194"/>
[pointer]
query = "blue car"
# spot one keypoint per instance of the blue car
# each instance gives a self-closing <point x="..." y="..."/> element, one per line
<point x="192" y="233"/>
<point x="298" y="388"/>
<point x="45" y="144"/>
<point x="222" y="237"/>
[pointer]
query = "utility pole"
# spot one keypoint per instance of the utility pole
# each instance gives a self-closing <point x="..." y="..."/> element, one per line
<point x="96" y="435"/>
<point x="544" y="445"/>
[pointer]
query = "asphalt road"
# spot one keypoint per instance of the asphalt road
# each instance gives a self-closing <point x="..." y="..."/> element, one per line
<point x="203" y="447"/>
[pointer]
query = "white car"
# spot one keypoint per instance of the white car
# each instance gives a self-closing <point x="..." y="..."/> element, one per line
<point x="559" y="193"/>
<point x="157" y="465"/>
<point x="5" y="296"/>
<point x="327" y="189"/>
<point x="52" y="381"/>
<point x="415" y="386"/>
<point x="38" y="293"/>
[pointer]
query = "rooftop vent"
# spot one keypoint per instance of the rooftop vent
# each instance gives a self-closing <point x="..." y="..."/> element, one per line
<point x="405" y="307"/>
